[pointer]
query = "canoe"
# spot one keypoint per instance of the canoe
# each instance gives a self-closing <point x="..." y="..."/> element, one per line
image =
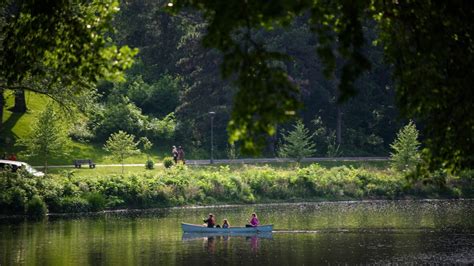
<point x="197" y="228"/>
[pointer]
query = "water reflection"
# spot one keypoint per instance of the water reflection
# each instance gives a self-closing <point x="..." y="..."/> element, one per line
<point x="193" y="236"/>
<point x="305" y="234"/>
<point x="253" y="243"/>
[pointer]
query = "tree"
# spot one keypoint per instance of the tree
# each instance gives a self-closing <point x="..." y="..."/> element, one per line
<point x="59" y="48"/>
<point x="298" y="143"/>
<point x="48" y="136"/>
<point x="431" y="47"/>
<point x="405" y="155"/>
<point x="427" y="41"/>
<point x="122" y="146"/>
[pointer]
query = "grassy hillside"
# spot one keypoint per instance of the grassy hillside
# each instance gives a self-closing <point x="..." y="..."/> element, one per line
<point x="17" y="126"/>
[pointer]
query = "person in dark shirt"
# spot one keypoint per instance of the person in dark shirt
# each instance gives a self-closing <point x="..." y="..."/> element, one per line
<point x="210" y="221"/>
<point x="181" y="155"/>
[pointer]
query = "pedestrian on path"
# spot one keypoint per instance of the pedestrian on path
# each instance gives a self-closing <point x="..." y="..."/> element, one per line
<point x="181" y="155"/>
<point x="174" y="152"/>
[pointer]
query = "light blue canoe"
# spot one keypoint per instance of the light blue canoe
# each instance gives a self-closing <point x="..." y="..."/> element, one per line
<point x="197" y="228"/>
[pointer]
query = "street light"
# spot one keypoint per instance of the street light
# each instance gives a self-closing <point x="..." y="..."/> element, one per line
<point x="212" y="114"/>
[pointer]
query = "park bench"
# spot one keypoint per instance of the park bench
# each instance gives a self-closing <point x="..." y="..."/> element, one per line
<point x="79" y="163"/>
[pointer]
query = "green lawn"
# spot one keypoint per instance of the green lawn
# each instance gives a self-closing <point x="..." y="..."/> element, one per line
<point x="17" y="126"/>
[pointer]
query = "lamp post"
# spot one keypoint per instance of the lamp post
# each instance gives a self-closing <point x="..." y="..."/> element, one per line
<point x="212" y="114"/>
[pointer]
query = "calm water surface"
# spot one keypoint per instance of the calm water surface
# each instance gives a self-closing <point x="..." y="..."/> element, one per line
<point x="304" y="234"/>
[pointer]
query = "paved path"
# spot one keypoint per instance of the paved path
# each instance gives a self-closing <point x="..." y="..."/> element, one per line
<point x="248" y="161"/>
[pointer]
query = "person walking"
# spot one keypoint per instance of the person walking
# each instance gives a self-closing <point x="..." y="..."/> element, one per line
<point x="181" y="155"/>
<point x="174" y="152"/>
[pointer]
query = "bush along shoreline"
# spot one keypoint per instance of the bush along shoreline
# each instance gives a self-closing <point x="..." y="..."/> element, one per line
<point x="181" y="186"/>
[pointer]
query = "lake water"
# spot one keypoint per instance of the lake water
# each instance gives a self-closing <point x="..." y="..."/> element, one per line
<point x="304" y="234"/>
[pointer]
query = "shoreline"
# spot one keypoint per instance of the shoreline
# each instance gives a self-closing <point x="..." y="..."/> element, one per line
<point x="182" y="187"/>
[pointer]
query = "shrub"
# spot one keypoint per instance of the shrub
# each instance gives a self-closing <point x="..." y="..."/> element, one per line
<point x="96" y="201"/>
<point x="16" y="201"/>
<point x="74" y="204"/>
<point x="168" y="162"/>
<point x="114" y="202"/>
<point x="36" y="207"/>
<point x="149" y="164"/>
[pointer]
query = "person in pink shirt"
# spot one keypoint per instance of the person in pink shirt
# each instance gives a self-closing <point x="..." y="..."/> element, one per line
<point x="253" y="221"/>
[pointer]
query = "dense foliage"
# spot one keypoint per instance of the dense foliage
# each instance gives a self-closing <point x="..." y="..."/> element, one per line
<point x="254" y="64"/>
<point x="59" y="48"/>
<point x="363" y="126"/>
<point x="180" y="185"/>
<point x="429" y="44"/>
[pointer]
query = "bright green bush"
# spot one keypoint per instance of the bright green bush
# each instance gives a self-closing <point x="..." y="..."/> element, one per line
<point x="168" y="162"/>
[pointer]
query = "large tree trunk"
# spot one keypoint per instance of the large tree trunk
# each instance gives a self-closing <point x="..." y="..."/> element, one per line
<point x="20" y="102"/>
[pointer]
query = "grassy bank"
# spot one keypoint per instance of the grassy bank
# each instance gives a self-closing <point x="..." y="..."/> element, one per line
<point x="84" y="191"/>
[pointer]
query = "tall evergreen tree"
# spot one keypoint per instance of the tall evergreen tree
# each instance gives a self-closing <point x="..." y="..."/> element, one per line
<point x="405" y="153"/>
<point x="297" y="143"/>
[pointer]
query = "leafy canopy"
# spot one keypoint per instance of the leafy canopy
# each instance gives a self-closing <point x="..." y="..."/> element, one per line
<point x="59" y="47"/>
<point x="429" y="44"/>
<point x="266" y="94"/>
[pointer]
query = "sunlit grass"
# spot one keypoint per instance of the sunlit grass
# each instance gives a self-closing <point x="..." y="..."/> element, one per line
<point x="104" y="170"/>
<point x="159" y="168"/>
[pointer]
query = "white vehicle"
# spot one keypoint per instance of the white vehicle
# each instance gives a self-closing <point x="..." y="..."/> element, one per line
<point x="13" y="166"/>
